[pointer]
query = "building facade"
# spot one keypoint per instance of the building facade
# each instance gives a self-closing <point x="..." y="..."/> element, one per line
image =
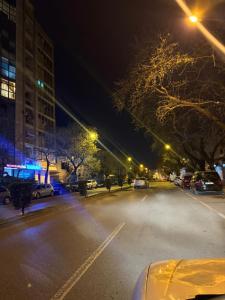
<point x="27" y="91"/>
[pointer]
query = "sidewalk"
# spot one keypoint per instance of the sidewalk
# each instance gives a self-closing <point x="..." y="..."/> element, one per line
<point x="9" y="214"/>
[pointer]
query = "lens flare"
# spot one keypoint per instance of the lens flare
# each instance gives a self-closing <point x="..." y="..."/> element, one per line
<point x="209" y="36"/>
<point x="193" y="19"/>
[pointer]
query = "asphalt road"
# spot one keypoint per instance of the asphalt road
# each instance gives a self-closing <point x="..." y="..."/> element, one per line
<point x="96" y="249"/>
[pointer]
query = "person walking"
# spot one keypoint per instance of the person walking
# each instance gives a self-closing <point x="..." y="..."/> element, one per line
<point x="108" y="184"/>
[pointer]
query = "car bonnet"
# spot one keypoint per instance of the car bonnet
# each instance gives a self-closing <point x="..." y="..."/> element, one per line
<point x="184" y="279"/>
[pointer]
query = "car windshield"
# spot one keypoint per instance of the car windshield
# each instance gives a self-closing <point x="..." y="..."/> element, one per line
<point x="208" y="297"/>
<point x="211" y="176"/>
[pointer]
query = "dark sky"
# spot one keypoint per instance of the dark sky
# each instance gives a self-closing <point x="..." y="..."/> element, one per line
<point x="93" y="47"/>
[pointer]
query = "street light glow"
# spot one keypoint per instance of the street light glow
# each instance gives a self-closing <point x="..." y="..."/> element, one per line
<point x="208" y="35"/>
<point x="129" y="159"/>
<point x="141" y="166"/>
<point x="167" y="147"/>
<point x="193" y="19"/>
<point x="93" y="136"/>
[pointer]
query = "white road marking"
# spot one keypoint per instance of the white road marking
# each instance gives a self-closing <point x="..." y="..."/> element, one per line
<point x="206" y="205"/>
<point x="144" y="198"/>
<point x="73" y="280"/>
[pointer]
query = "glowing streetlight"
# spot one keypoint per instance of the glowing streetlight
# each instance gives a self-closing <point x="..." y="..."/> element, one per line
<point x="141" y="166"/>
<point x="129" y="159"/>
<point x="167" y="147"/>
<point x="93" y="136"/>
<point x="193" y="19"/>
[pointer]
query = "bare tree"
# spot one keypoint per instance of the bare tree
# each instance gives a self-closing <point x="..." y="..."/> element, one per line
<point x="177" y="97"/>
<point x="46" y="151"/>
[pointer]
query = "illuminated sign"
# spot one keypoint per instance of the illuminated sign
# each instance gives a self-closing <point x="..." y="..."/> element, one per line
<point x="16" y="166"/>
<point x="26" y="167"/>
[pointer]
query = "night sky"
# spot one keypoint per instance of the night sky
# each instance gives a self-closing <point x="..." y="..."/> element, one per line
<point x="93" y="42"/>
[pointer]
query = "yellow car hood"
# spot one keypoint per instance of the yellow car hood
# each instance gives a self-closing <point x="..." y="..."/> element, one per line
<point x="184" y="279"/>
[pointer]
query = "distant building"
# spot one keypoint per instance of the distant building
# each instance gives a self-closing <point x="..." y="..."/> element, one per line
<point x="27" y="91"/>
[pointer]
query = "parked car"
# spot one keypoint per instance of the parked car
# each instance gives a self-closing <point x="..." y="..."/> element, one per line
<point x="72" y="187"/>
<point x="186" y="182"/>
<point x="60" y="188"/>
<point x="42" y="190"/>
<point x="5" y="196"/>
<point x="206" y="181"/>
<point x="91" y="184"/>
<point x="101" y="183"/>
<point x="141" y="183"/>
<point x="178" y="181"/>
<point x="182" y="279"/>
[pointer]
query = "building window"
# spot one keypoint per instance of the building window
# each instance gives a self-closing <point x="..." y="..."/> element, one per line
<point x="8" y="89"/>
<point x="8" y="10"/>
<point x="7" y="69"/>
<point x="29" y="117"/>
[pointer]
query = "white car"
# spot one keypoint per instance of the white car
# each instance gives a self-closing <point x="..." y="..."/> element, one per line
<point x="141" y="183"/>
<point x="182" y="279"/>
<point x="42" y="190"/>
<point x="178" y="181"/>
<point x="91" y="184"/>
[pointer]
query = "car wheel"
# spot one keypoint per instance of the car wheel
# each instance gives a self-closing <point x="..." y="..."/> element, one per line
<point x="6" y="200"/>
<point x="38" y="196"/>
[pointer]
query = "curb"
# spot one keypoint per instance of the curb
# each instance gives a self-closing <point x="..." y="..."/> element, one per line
<point x="107" y="193"/>
<point x="15" y="219"/>
<point x="27" y="215"/>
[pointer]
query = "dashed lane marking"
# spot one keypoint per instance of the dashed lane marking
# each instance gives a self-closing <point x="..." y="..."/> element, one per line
<point x="144" y="198"/>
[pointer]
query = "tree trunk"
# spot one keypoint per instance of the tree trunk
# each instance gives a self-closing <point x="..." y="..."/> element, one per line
<point x="47" y="172"/>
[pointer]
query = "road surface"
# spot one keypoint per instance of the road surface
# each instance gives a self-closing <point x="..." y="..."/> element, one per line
<point x="97" y="248"/>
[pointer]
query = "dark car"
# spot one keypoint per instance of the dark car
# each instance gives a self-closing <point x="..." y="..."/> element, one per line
<point x="5" y="196"/>
<point x="186" y="182"/>
<point x="206" y="181"/>
<point x="60" y="188"/>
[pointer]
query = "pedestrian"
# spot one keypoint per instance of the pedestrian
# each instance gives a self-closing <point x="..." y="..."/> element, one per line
<point x="108" y="184"/>
<point x="120" y="182"/>
<point x="25" y="196"/>
<point x="129" y="181"/>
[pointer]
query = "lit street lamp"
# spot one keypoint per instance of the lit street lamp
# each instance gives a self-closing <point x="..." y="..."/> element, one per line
<point x="93" y="136"/>
<point x="167" y="147"/>
<point x="193" y="19"/>
<point x="141" y="166"/>
<point x="129" y="159"/>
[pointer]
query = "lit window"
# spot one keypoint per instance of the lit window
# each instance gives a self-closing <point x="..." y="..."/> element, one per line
<point x="8" y="89"/>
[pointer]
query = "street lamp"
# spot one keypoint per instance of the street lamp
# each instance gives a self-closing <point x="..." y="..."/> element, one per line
<point x="93" y="136"/>
<point x="167" y="147"/>
<point x="141" y="166"/>
<point x="193" y="19"/>
<point x="129" y="159"/>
